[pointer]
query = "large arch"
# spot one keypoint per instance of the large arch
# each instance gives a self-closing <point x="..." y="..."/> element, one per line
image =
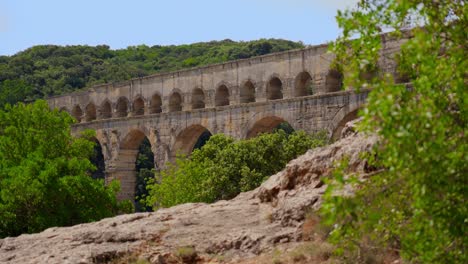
<point x="77" y="113"/>
<point x="247" y="92"/>
<point x="274" y="89"/>
<point x="124" y="166"/>
<point x="303" y="84"/>
<point x="341" y="124"/>
<point x="138" y="106"/>
<point x="187" y="139"/>
<point x="198" y="98"/>
<point x="265" y="125"/>
<point x="90" y="112"/>
<point x="121" y="109"/>
<point x="105" y="111"/>
<point x="156" y="104"/>
<point x="333" y="81"/>
<point x="222" y="95"/>
<point x="175" y="102"/>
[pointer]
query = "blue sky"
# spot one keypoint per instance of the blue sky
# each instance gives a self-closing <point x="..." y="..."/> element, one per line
<point x="122" y="23"/>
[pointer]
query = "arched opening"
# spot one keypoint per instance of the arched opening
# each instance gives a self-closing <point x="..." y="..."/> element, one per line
<point x="122" y="107"/>
<point x="105" y="110"/>
<point x="63" y="109"/>
<point x="77" y="113"/>
<point x="247" y="93"/>
<point x="156" y="104"/>
<point x="137" y="159"/>
<point x="138" y="106"/>
<point x="145" y="170"/>
<point x="98" y="161"/>
<point x="268" y="125"/>
<point x="90" y="112"/>
<point x="175" y="102"/>
<point x="222" y="96"/>
<point x="191" y="138"/>
<point x="303" y="85"/>
<point x="198" y="98"/>
<point x="339" y="128"/>
<point x="333" y="81"/>
<point x="274" y="89"/>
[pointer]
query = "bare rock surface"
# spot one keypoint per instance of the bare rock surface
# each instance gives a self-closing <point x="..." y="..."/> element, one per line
<point x="252" y="223"/>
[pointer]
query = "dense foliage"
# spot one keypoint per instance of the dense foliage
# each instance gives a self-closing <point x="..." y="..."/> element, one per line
<point x="49" y="70"/>
<point x="417" y="206"/>
<point x="44" y="173"/>
<point x="144" y="172"/>
<point x="223" y="167"/>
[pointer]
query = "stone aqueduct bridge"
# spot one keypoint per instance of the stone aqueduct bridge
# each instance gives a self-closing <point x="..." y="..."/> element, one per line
<point x="239" y="98"/>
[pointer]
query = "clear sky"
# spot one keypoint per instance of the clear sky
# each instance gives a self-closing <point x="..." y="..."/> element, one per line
<point x="122" y="23"/>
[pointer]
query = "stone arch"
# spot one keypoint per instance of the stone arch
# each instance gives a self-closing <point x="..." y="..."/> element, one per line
<point x="333" y="81"/>
<point x="90" y="112"/>
<point x="274" y="88"/>
<point x="175" y="102"/>
<point x="63" y="109"/>
<point x="155" y="104"/>
<point x="77" y="113"/>
<point x="247" y="92"/>
<point x="222" y="95"/>
<point x="105" y="110"/>
<point x="186" y="140"/>
<point x="124" y="167"/>
<point x="303" y="84"/>
<point x="198" y="98"/>
<point x="265" y="125"/>
<point x="121" y="108"/>
<point x="338" y="128"/>
<point x="138" y="106"/>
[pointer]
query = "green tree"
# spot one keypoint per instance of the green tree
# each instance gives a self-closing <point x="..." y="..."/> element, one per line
<point x="44" y="178"/>
<point x="223" y="167"/>
<point x="417" y="206"/>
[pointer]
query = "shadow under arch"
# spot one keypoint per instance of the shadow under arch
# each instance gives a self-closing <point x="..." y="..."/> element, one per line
<point x="90" y="112"/>
<point x="98" y="160"/>
<point x="138" y="106"/>
<point x="77" y="113"/>
<point x="274" y="88"/>
<point x="105" y="110"/>
<point x="222" y="95"/>
<point x="175" y="102"/>
<point x="303" y="84"/>
<point x="333" y="81"/>
<point x="189" y="139"/>
<point x="198" y="98"/>
<point x="339" y="127"/>
<point x="269" y="124"/>
<point x="247" y="92"/>
<point x="121" y="108"/>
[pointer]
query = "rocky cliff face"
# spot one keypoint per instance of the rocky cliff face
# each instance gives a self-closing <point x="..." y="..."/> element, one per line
<point x="253" y="223"/>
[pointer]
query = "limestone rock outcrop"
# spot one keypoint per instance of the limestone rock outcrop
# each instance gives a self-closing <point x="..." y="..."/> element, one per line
<point x="252" y="223"/>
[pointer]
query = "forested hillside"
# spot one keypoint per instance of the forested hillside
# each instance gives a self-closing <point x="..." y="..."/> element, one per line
<point x="48" y="70"/>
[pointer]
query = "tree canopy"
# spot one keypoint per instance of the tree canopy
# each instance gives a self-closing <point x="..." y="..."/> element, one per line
<point x="45" y="173"/>
<point x="48" y="70"/>
<point x="417" y="206"/>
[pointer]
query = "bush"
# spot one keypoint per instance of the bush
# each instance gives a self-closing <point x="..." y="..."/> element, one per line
<point x="223" y="167"/>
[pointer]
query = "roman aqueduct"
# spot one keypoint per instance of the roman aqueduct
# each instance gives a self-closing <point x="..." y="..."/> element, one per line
<point x="238" y="98"/>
